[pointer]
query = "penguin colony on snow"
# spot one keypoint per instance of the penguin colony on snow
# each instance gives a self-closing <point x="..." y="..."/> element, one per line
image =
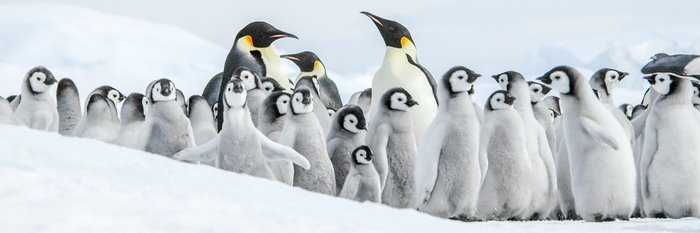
<point x="411" y="141"/>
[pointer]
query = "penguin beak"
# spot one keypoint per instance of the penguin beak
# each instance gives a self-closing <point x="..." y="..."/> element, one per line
<point x="121" y="98"/>
<point x="411" y="103"/>
<point x="281" y="34"/>
<point x="306" y="100"/>
<point x="472" y="78"/>
<point x="650" y="79"/>
<point x="238" y="87"/>
<point x="545" y="90"/>
<point x="494" y="77"/>
<point x="545" y="79"/>
<point x="510" y="99"/>
<point x="290" y="57"/>
<point x="623" y="75"/>
<point x="165" y="92"/>
<point x="376" y="19"/>
<point x="362" y="126"/>
<point x="50" y="80"/>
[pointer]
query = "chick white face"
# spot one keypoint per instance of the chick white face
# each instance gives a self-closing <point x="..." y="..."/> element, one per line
<point x="268" y="87"/>
<point x="401" y="102"/>
<point x="146" y="103"/>
<point x="215" y="109"/>
<point x="115" y="96"/>
<point x="612" y="80"/>
<point x="536" y="92"/>
<point x="350" y="122"/>
<point x="248" y="79"/>
<point x="560" y="82"/>
<point x="331" y="112"/>
<point x="696" y="94"/>
<point x="501" y="100"/>
<point x="39" y="82"/>
<point x="282" y="104"/>
<point x="302" y="102"/>
<point x="163" y="91"/>
<point x="235" y="94"/>
<point x="458" y="81"/>
<point x="503" y="81"/>
<point x="661" y="83"/>
<point x="363" y="155"/>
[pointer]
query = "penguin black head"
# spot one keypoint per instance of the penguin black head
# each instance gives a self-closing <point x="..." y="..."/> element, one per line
<point x="235" y="93"/>
<point x="607" y="79"/>
<point x="306" y="61"/>
<point x="459" y="79"/>
<point x="261" y="34"/>
<point x="393" y="33"/>
<point x="663" y="83"/>
<point x="351" y="118"/>
<point x="561" y="79"/>
<point x="398" y="99"/>
<point x="302" y="101"/>
<point x="247" y="77"/>
<point x="506" y="78"/>
<point x="362" y="155"/>
<point x="537" y="91"/>
<point x="500" y="99"/>
<point x="162" y="90"/>
<point x="39" y="80"/>
<point x="276" y="105"/>
<point x="310" y="82"/>
<point x="270" y="85"/>
<point x="679" y="64"/>
<point x="139" y="105"/>
<point x="110" y="92"/>
<point x="11" y="98"/>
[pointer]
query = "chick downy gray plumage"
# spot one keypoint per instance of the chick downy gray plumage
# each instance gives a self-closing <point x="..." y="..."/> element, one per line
<point x="167" y="129"/>
<point x="202" y="119"/>
<point x="362" y="182"/>
<point x="6" y="113"/>
<point x="311" y="83"/>
<point x="68" y="105"/>
<point x="271" y="121"/>
<point x="133" y="114"/>
<point x="347" y="132"/>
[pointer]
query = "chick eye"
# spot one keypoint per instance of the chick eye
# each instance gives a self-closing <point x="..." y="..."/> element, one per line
<point x="536" y="90"/>
<point x="661" y="80"/>
<point x="400" y="99"/>
<point x="284" y="102"/>
<point x="498" y="99"/>
<point x="229" y="89"/>
<point x="352" y="121"/>
<point x="556" y="77"/>
<point x="38" y="79"/>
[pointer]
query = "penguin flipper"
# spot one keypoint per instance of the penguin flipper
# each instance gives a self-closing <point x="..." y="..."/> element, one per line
<point x="427" y="160"/>
<point x="598" y="133"/>
<point x="206" y="153"/>
<point x="277" y="152"/>
<point x="650" y="148"/>
<point x="429" y="76"/>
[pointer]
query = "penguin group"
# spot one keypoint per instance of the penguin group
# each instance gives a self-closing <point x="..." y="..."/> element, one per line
<point x="410" y="140"/>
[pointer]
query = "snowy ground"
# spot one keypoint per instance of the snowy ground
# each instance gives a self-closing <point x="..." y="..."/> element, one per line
<point x="49" y="185"/>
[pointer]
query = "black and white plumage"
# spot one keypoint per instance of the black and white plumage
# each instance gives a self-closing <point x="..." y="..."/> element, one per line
<point x="626" y="109"/>
<point x="271" y="122"/>
<point x="505" y="193"/>
<point x="304" y="134"/>
<point x="102" y="122"/>
<point x="271" y="85"/>
<point x="255" y="94"/>
<point x="68" y="105"/>
<point x="679" y="64"/>
<point x="347" y="132"/>
<point x="391" y="138"/>
<point x="449" y="169"/>
<point x="310" y="65"/>
<point x="132" y="115"/>
<point x="362" y="182"/>
<point x="320" y="111"/>
<point x="37" y="108"/>
<point x="598" y="150"/>
<point x="542" y="112"/>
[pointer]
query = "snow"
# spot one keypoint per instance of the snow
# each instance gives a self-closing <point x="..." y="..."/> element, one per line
<point x="49" y="185"/>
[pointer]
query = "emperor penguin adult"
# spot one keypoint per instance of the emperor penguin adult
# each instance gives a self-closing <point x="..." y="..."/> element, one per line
<point x="542" y="112"/>
<point x="505" y="193"/>
<point x="304" y="134"/>
<point x="271" y="122"/>
<point x="255" y="94"/>
<point x="347" y="132"/>
<point x="604" y="82"/>
<point x="68" y="104"/>
<point x="166" y="130"/>
<point x="211" y="90"/>
<point x="311" y="83"/>
<point x="240" y="147"/>
<point x="37" y="109"/>
<point x="202" y="120"/>
<point x="602" y="165"/>
<point x="391" y="138"/>
<point x="100" y="121"/>
<point x="362" y="183"/>
<point x="402" y="69"/>
<point x="669" y="162"/>
<point x="6" y="113"/>
<point x="310" y="65"/>
<point x="252" y="48"/>
<point x="449" y="170"/>
<point x="132" y="115"/>
<point x="544" y="188"/>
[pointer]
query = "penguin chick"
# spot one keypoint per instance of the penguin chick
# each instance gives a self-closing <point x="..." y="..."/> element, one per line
<point x="202" y="120"/>
<point x="271" y="122"/>
<point x="37" y="109"/>
<point x="311" y="83"/>
<point x="271" y="85"/>
<point x="362" y="182"/>
<point x="626" y="109"/>
<point x="100" y="121"/>
<point x="68" y="104"/>
<point x="133" y="114"/>
<point x="256" y="95"/>
<point x="347" y="133"/>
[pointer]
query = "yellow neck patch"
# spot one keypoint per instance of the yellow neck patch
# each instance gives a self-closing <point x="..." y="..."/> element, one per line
<point x="249" y="39"/>
<point x="317" y="65"/>
<point x="404" y="41"/>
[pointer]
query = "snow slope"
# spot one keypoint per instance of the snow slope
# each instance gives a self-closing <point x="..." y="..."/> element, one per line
<point x="51" y="183"/>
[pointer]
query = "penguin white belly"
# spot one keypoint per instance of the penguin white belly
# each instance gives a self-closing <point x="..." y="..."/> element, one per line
<point x="275" y="67"/>
<point x="672" y="174"/>
<point x="321" y="177"/>
<point x="603" y="179"/>
<point x="411" y="78"/>
<point x="566" y="197"/>
<point x="37" y="115"/>
<point x="542" y="168"/>
<point x="242" y="153"/>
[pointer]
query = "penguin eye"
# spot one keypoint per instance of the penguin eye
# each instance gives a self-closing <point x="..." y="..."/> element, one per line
<point x="556" y="77"/>
<point x="661" y="80"/>
<point x="536" y="90"/>
<point x="400" y="99"/>
<point x="38" y="78"/>
<point x="284" y="102"/>
<point x="498" y="99"/>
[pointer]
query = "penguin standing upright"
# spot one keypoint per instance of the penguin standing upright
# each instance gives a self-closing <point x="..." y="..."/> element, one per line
<point x="132" y="115"/>
<point x="37" y="109"/>
<point x="391" y="138"/>
<point x="100" y="121"/>
<point x="271" y="122"/>
<point x="252" y="48"/>
<point x="544" y="185"/>
<point x="6" y="114"/>
<point x="450" y="170"/>
<point x="311" y="83"/>
<point x="310" y="65"/>
<point x="255" y="94"/>
<point x="542" y="112"/>
<point x="304" y="134"/>
<point x="347" y="133"/>
<point x="202" y="120"/>
<point x="505" y="192"/>
<point x="166" y="129"/>
<point x="604" y="82"/>
<point x="602" y="167"/>
<point x="68" y="104"/>
<point x="362" y="183"/>
<point x="401" y="69"/>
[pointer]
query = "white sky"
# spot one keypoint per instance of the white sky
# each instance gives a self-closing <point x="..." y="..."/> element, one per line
<point x="488" y="36"/>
